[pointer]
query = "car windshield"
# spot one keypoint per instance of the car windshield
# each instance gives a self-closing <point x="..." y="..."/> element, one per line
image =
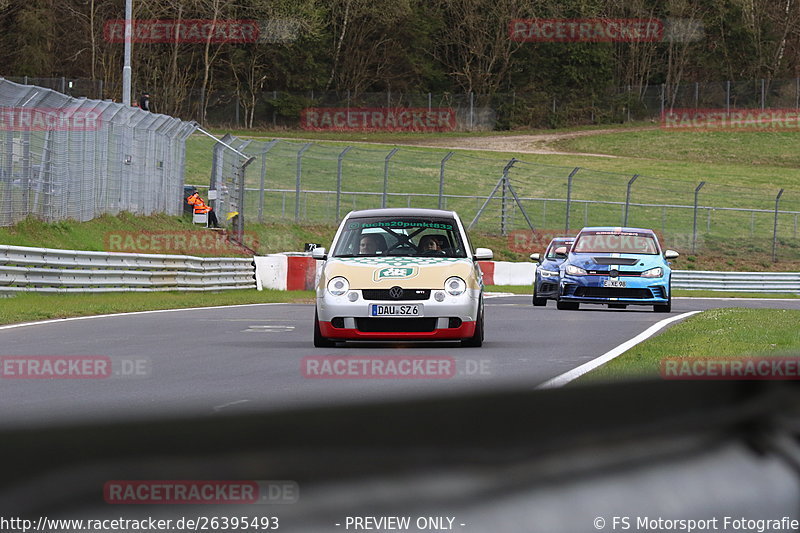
<point x="400" y="236"/>
<point x="629" y="242"/>
<point x="551" y="250"/>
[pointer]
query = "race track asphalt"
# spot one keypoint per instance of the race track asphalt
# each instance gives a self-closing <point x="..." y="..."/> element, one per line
<point x="241" y="358"/>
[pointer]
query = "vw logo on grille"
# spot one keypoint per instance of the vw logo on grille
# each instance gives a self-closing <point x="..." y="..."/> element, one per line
<point x="396" y="292"/>
<point x="613" y="273"/>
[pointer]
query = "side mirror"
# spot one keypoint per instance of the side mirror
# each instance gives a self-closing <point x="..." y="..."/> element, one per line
<point x="561" y="251"/>
<point x="536" y="257"/>
<point x="319" y="253"/>
<point x="671" y="254"/>
<point x="483" y="254"/>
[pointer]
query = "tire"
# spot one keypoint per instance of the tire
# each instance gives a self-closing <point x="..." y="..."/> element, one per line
<point x="617" y="306"/>
<point x="319" y="340"/>
<point x="539" y="302"/>
<point x="567" y="306"/>
<point x="476" y="341"/>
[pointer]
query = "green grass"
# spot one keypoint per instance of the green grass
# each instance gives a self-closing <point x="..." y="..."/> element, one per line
<point x="729" y="332"/>
<point x="516" y="289"/>
<point x="26" y="307"/>
<point x="762" y="165"/>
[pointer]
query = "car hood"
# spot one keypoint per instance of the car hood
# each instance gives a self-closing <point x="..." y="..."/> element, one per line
<point x="603" y="261"/>
<point x="551" y="264"/>
<point x="406" y="272"/>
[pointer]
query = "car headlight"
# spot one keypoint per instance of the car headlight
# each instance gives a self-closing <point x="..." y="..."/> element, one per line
<point x="576" y="270"/>
<point x="547" y="273"/>
<point x="338" y="286"/>
<point x="455" y="286"/>
<point x="653" y="273"/>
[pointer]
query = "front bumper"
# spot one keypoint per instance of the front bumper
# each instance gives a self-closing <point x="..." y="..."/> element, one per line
<point x="452" y="319"/>
<point x="546" y="287"/>
<point x="638" y="290"/>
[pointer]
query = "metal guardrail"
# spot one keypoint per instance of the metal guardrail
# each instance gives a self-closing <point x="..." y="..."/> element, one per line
<point x="49" y="270"/>
<point x="779" y="282"/>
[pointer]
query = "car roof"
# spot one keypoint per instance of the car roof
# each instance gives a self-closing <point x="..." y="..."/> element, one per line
<point x="401" y="212"/>
<point x="617" y="228"/>
<point x="563" y="239"/>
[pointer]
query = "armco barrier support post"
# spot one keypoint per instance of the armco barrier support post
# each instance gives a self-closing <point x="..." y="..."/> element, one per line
<point x="386" y="176"/>
<point x="775" y="228"/>
<point x="569" y="197"/>
<point x="339" y="182"/>
<point x="628" y="199"/>
<point x="441" y="176"/>
<point x="297" y="181"/>
<point x="694" y="224"/>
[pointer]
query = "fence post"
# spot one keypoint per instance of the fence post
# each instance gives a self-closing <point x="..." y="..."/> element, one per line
<point x="297" y="182"/>
<point x="471" y="110"/>
<point x="728" y="96"/>
<point x="569" y="196"/>
<point x="663" y="97"/>
<point x="694" y="224"/>
<point x="775" y="228"/>
<point x="763" y="94"/>
<point x="267" y="148"/>
<point x="441" y="177"/>
<point x="339" y="181"/>
<point x="628" y="198"/>
<point x="386" y="176"/>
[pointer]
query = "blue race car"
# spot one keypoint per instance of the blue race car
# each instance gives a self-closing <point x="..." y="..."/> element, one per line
<point x="545" y="285"/>
<point x="618" y="267"/>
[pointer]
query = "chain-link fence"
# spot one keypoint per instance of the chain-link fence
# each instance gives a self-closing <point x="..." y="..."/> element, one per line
<point x="312" y="183"/>
<point x="595" y="105"/>
<point x="70" y="158"/>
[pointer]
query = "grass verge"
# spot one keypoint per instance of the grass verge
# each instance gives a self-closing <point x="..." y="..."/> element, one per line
<point x="27" y="307"/>
<point x="729" y="332"/>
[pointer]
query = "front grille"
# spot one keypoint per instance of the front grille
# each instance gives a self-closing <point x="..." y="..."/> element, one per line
<point x="612" y="292"/>
<point x="395" y="325"/>
<point x="408" y="294"/>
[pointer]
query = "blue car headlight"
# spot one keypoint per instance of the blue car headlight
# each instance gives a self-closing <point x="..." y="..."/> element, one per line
<point x="573" y="270"/>
<point x="653" y="273"/>
<point x="548" y="273"/>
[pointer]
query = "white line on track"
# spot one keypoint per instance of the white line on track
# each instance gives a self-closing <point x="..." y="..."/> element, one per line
<point x="575" y="373"/>
<point x="70" y="319"/>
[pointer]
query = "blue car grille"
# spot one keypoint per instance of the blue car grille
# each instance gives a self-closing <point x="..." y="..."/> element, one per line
<point x="613" y="292"/>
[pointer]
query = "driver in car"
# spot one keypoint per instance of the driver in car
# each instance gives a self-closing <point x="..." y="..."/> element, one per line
<point x="431" y="243"/>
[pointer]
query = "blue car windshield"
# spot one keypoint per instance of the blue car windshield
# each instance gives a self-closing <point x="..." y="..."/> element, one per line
<point x="616" y="242"/>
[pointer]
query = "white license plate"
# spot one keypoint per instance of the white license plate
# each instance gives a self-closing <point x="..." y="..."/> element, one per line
<point x="395" y="310"/>
<point x="615" y="283"/>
